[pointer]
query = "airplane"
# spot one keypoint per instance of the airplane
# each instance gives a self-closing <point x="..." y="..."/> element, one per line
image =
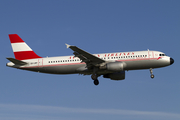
<point x="109" y="65"/>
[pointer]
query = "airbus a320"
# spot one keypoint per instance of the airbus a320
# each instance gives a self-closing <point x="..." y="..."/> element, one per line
<point x="109" y="65"/>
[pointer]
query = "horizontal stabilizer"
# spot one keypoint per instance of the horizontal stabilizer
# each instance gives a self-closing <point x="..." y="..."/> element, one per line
<point x="17" y="62"/>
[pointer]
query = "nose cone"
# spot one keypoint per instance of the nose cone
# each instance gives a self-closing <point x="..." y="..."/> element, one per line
<point x="171" y="61"/>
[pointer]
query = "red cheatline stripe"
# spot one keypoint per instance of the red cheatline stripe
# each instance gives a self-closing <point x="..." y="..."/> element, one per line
<point x="26" y="55"/>
<point x="158" y="58"/>
<point x="53" y="65"/>
<point x="14" y="38"/>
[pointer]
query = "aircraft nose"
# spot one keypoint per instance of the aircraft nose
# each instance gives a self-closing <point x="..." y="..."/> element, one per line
<point x="171" y="61"/>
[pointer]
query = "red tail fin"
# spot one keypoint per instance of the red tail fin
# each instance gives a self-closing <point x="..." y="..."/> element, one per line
<point x="21" y="50"/>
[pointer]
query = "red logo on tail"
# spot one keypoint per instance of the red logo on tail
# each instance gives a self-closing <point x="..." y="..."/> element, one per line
<point x="21" y="50"/>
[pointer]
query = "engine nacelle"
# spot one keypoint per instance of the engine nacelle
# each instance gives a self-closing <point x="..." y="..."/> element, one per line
<point x="115" y="66"/>
<point x="115" y="76"/>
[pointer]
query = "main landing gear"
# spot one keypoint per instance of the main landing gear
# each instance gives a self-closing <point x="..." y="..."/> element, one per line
<point x="94" y="77"/>
<point x="152" y="76"/>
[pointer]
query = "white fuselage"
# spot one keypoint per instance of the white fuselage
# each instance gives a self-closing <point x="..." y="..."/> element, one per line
<point x="72" y="65"/>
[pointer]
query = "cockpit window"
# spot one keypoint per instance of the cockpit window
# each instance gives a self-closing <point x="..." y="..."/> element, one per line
<point x="162" y="54"/>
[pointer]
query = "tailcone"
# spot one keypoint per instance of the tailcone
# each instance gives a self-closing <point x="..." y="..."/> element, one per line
<point x="10" y="64"/>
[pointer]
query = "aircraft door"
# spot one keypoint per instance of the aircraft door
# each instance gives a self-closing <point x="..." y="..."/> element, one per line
<point x="40" y="62"/>
<point x="151" y="54"/>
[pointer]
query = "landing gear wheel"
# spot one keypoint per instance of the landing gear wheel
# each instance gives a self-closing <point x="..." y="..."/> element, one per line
<point x="96" y="82"/>
<point x="152" y="76"/>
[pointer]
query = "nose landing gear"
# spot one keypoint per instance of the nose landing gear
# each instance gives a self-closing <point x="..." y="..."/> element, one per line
<point x="152" y="76"/>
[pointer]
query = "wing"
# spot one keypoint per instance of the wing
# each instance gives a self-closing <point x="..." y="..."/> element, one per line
<point x="86" y="57"/>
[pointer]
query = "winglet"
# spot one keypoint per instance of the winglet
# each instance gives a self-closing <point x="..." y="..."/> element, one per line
<point x="68" y="45"/>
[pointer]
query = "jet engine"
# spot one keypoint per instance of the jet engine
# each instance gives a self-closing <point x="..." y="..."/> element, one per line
<point x="115" y="76"/>
<point x="114" y="66"/>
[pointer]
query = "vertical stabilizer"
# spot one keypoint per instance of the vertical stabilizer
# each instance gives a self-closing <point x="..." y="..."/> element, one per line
<point x="21" y="50"/>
